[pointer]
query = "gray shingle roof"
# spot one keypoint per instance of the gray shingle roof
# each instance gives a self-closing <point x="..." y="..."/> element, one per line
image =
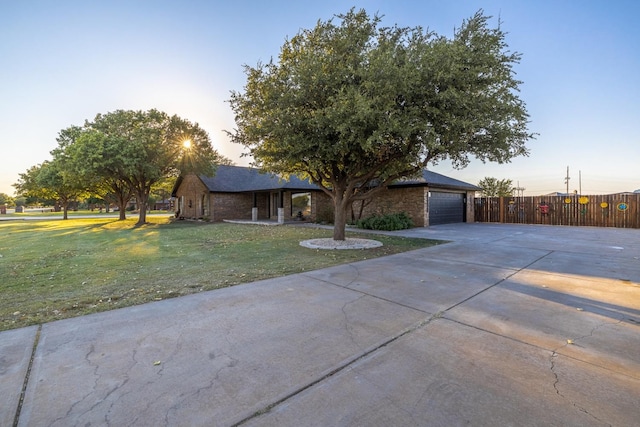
<point x="237" y="179"/>
<point x="433" y="179"/>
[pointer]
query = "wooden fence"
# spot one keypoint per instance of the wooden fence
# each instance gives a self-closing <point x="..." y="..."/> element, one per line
<point x="611" y="210"/>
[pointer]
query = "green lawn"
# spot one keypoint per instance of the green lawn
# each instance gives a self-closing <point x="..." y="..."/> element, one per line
<point x="48" y="212"/>
<point x="54" y="269"/>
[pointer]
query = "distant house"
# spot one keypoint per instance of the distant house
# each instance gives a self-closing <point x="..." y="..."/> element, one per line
<point x="162" y="205"/>
<point x="236" y="192"/>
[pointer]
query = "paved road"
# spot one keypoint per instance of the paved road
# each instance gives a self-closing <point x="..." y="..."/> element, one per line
<point x="507" y="325"/>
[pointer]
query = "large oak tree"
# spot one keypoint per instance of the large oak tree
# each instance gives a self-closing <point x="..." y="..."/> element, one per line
<point x="142" y="148"/>
<point x="97" y="165"/>
<point x="355" y="106"/>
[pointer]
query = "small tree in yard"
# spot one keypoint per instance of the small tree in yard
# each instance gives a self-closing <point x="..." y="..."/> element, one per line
<point x="493" y="187"/>
<point x="55" y="179"/>
<point x="50" y="181"/>
<point x="354" y="106"/>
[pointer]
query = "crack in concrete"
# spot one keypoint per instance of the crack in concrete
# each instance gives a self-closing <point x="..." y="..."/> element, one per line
<point x="357" y="271"/>
<point x="338" y="369"/>
<point x="347" y="286"/>
<point x="555" y="375"/>
<point x="347" y="323"/>
<point x="555" y="353"/>
<point x="178" y="401"/>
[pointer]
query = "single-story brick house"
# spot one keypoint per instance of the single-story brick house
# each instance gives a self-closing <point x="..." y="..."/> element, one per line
<point x="236" y="192"/>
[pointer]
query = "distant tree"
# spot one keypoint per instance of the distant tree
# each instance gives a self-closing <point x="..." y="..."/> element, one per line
<point x="355" y="106"/>
<point x="5" y="199"/>
<point x="141" y="148"/>
<point x="50" y="180"/>
<point x="162" y="190"/>
<point x="493" y="187"/>
<point x="21" y="201"/>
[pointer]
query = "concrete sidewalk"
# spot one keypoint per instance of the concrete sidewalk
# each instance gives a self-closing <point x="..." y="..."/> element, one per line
<point x="506" y="325"/>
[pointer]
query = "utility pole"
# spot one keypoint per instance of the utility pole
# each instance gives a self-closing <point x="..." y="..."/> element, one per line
<point x="580" y="183"/>
<point x="566" y="180"/>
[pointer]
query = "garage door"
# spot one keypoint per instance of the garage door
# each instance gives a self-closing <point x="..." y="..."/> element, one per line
<point x="446" y="208"/>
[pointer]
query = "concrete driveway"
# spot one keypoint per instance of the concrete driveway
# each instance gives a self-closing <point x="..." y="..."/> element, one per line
<point x="507" y="325"/>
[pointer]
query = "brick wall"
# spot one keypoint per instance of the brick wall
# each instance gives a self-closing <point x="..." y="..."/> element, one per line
<point x="231" y="206"/>
<point x="410" y="200"/>
<point x="321" y="207"/>
<point x="191" y="194"/>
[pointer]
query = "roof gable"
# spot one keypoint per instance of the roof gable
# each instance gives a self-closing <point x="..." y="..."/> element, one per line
<point x="433" y="179"/>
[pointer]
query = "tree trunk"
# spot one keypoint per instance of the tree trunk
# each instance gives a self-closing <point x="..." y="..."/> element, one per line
<point x="143" y="199"/>
<point x="122" y="205"/>
<point x="65" y="210"/>
<point x="339" y="223"/>
<point x="339" y="215"/>
<point x="142" y="207"/>
<point x="363" y="204"/>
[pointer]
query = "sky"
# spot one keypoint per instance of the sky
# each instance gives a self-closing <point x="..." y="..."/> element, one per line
<point x="62" y="62"/>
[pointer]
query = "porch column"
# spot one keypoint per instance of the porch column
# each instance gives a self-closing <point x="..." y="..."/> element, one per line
<point x="254" y="209"/>
<point x="281" y="208"/>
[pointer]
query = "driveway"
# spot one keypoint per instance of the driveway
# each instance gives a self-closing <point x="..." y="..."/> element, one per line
<point x="506" y="325"/>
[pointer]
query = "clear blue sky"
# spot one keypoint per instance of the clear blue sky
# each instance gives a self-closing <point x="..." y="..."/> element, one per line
<point x="65" y="61"/>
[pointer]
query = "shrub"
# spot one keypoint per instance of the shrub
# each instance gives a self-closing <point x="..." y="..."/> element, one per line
<point x="389" y="222"/>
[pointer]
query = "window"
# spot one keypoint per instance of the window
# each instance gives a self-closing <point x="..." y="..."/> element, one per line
<point x="300" y="204"/>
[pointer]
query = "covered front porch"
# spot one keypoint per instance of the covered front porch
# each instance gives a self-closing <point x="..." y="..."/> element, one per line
<point x="278" y="207"/>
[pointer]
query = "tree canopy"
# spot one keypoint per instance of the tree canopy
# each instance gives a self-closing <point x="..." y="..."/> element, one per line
<point x="493" y="187"/>
<point x="125" y="153"/>
<point x="50" y="180"/>
<point x="5" y="199"/>
<point x="138" y="149"/>
<point x="354" y="106"/>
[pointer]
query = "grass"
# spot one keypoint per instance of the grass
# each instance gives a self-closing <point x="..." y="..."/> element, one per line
<point x="47" y="212"/>
<point x="54" y="269"/>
